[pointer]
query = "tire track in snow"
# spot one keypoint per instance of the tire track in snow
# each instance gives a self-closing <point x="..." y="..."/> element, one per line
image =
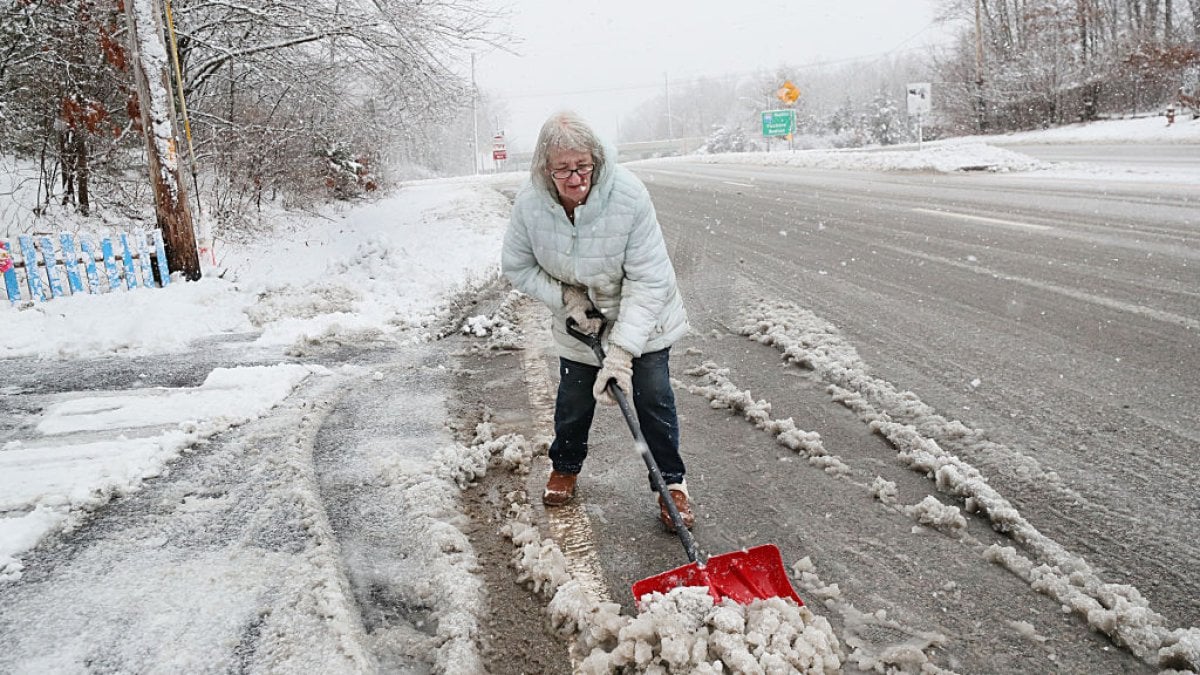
<point x="1117" y="610"/>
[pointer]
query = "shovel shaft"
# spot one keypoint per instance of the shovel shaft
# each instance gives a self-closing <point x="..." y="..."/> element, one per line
<point x="656" y="479"/>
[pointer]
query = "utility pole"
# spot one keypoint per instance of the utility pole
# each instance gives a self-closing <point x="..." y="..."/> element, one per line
<point x="474" y="120"/>
<point x="980" y="104"/>
<point x="149" y="65"/>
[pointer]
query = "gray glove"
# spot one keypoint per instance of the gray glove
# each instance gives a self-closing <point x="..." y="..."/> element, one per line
<point x="618" y="365"/>
<point x="577" y="303"/>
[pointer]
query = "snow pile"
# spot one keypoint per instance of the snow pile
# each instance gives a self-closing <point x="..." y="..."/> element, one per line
<point x="1117" y="610"/>
<point x="943" y="157"/>
<point x="540" y="564"/>
<point x="716" y="387"/>
<point x="306" y="283"/>
<point x="85" y="325"/>
<point x="94" y="448"/>
<point x="500" y="328"/>
<point x="1142" y="130"/>
<point x="684" y="631"/>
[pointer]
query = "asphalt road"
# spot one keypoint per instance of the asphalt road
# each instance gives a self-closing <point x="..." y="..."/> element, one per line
<point x="1060" y="319"/>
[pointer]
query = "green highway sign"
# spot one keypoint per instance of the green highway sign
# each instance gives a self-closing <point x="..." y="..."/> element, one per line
<point x="778" y="122"/>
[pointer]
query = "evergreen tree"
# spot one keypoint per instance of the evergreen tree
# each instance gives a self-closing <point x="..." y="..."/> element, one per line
<point x="884" y="125"/>
<point x="727" y="138"/>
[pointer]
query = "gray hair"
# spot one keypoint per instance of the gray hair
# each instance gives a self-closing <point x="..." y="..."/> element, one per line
<point x="563" y="131"/>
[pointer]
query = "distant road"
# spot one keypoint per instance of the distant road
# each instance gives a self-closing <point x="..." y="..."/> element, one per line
<point x="1135" y="155"/>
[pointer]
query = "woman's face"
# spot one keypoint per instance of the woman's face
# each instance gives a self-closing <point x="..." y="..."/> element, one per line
<point x="571" y="171"/>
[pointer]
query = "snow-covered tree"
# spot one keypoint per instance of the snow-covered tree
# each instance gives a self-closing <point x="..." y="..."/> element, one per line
<point x="884" y="125"/>
<point x="63" y="92"/>
<point x="726" y="138"/>
<point x="1054" y="61"/>
<point x="273" y="90"/>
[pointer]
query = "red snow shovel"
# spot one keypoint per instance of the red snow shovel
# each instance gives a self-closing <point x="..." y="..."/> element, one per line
<point x="742" y="576"/>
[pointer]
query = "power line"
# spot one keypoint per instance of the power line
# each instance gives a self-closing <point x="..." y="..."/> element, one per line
<point x="737" y="74"/>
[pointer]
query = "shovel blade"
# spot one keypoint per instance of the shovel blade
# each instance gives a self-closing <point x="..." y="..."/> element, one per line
<point x="742" y="576"/>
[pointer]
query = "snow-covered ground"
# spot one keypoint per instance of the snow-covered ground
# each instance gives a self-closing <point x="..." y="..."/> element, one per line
<point x="378" y="271"/>
<point x="1000" y="154"/>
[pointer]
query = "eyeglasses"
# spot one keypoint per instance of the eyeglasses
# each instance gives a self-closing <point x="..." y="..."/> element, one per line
<point x="584" y="170"/>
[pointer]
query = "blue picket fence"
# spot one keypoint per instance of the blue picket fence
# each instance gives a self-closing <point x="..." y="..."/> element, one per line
<point x="125" y="261"/>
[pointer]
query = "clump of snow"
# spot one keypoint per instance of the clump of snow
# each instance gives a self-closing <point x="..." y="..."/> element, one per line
<point x="1027" y="631"/>
<point x="517" y="456"/>
<point x="480" y="325"/>
<point x="942" y="517"/>
<point x="884" y="490"/>
<point x="514" y="452"/>
<point x="540" y="563"/>
<point x="462" y="464"/>
<point x="500" y="328"/>
<point x="1181" y="650"/>
<point x="723" y="394"/>
<point x="805" y="573"/>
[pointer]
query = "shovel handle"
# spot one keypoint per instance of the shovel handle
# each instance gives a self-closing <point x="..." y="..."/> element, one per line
<point x="656" y="479"/>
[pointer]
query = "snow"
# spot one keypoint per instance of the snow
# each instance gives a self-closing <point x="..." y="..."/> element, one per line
<point x="379" y="269"/>
<point x="383" y="271"/>
<point x="152" y="60"/>
<point x="1139" y="130"/>
<point x="997" y="154"/>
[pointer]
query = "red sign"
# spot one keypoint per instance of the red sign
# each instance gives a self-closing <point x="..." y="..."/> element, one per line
<point x="499" y="151"/>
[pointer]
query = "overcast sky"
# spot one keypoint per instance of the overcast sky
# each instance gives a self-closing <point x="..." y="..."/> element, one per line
<point x="604" y="58"/>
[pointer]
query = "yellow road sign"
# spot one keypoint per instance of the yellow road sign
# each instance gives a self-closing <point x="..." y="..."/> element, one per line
<point x="788" y="93"/>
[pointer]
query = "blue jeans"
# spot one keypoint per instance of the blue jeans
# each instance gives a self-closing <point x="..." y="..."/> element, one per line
<point x="653" y="401"/>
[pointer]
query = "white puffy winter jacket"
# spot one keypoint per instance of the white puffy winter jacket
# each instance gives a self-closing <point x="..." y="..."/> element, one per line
<point x="615" y="249"/>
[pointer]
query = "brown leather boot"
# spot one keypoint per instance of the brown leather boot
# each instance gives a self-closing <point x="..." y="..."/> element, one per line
<point x="683" y="504"/>
<point x="560" y="489"/>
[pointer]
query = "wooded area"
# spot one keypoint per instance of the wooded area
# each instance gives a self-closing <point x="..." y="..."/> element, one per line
<point x="1039" y="63"/>
<point x="1031" y="64"/>
<point x="288" y="101"/>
